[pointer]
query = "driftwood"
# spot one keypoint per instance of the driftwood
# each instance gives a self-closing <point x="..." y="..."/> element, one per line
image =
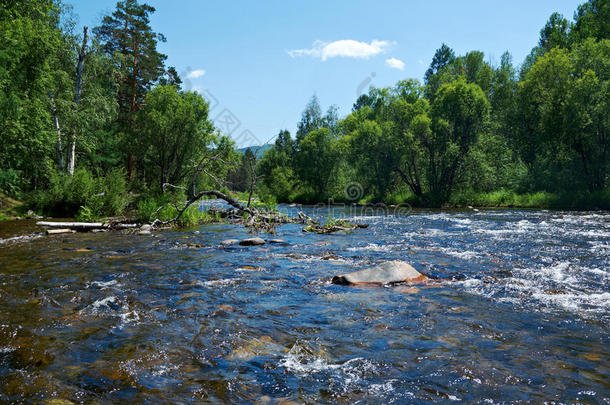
<point x="59" y="231"/>
<point x="68" y="227"/>
<point x="73" y="225"/>
<point x="255" y="218"/>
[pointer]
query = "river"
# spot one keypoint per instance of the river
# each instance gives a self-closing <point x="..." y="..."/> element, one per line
<point x="519" y="311"/>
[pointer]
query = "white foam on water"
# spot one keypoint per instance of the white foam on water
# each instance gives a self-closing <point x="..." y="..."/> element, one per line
<point x="599" y="247"/>
<point x="560" y="273"/>
<point x="104" y="284"/>
<point x="462" y="221"/>
<point x="129" y="317"/>
<point x="599" y="272"/>
<point x="217" y="283"/>
<point x="437" y="232"/>
<point x="368" y="218"/>
<point x="594" y="303"/>
<point x="104" y="302"/>
<point x="298" y="360"/>
<point x="373" y="247"/>
<point x="460" y="254"/>
<point x="560" y="285"/>
<point x="597" y="234"/>
<point x="22" y="238"/>
<point x="381" y="389"/>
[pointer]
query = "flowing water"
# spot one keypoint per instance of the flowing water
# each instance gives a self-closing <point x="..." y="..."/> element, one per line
<point x="519" y="311"/>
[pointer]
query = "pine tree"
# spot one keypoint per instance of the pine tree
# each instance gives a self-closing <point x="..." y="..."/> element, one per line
<point x="129" y="39"/>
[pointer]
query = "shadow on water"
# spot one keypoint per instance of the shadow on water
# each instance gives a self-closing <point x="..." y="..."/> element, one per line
<point x="521" y="313"/>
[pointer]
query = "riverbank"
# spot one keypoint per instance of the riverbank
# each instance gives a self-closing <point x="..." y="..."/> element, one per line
<point x="580" y="201"/>
<point x="8" y="207"/>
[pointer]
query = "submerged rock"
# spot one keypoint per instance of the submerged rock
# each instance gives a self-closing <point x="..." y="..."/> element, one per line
<point x="386" y="273"/>
<point x="252" y="242"/>
<point x="229" y="242"/>
<point x="278" y="241"/>
<point x="263" y="346"/>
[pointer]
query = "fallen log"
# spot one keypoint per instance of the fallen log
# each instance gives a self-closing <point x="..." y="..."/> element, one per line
<point x="124" y="226"/>
<point x="73" y="225"/>
<point x="59" y="231"/>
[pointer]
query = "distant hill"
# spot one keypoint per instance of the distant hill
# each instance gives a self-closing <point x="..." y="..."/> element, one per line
<point x="261" y="150"/>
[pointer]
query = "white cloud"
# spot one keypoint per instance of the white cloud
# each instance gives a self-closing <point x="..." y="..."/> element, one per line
<point x="347" y="48"/>
<point x="195" y="74"/>
<point x="395" y="63"/>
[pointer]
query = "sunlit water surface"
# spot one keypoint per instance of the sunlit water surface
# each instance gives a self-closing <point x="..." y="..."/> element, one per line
<point x="520" y="311"/>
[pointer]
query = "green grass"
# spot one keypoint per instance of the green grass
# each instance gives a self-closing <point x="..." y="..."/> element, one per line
<point x="9" y="207"/>
<point x="508" y="199"/>
<point x="582" y="200"/>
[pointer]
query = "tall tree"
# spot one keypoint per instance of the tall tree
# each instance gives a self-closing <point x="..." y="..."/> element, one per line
<point x="442" y="57"/>
<point x="563" y="112"/>
<point x="458" y="114"/>
<point x="592" y="20"/>
<point x="30" y="37"/>
<point x="554" y="33"/>
<point x="311" y="119"/>
<point x="175" y="132"/>
<point x="128" y="37"/>
<point x="316" y="160"/>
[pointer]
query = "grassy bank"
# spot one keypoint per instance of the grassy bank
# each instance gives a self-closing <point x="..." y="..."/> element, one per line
<point x="8" y="207"/>
<point x="508" y="199"/>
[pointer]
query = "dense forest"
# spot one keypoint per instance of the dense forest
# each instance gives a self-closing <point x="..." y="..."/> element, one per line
<point x="94" y="123"/>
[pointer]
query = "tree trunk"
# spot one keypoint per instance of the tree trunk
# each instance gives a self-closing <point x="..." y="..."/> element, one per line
<point x="58" y="147"/>
<point x="82" y="54"/>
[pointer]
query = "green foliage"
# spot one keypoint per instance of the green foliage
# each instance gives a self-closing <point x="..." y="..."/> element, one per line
<point x="475" y="133"/>
<point x="86" y="214"/>
<point x="563" y="118"/>
<point x="540" y="199"/>
<point x="174" y="132"/>
<point x="146" y="209"/>
<point x="30" y="37"/>
<point x="11" y="182"/>
<point x="316" y="159"/>
<point x="163" y="207"/>
<point x="127" y="37"/>
<point x="93" y="197"/>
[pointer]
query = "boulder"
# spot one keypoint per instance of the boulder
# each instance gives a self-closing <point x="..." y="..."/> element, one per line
<point x="277" y="241"/>
<point x="385" y="273"/>
<point x="252" y="242"/>
<point x="229" y="242"/>
<point x="146" y="227"/>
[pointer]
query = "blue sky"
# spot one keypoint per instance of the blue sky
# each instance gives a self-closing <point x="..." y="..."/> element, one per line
<point x="260" y="62"/>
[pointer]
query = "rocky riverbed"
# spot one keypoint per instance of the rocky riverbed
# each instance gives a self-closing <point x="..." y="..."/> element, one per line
<point x="517" y="308"/>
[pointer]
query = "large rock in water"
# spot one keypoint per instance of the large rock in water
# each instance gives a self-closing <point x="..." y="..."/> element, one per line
<point x="252" y="242"/>
<point x="386" y="273"/>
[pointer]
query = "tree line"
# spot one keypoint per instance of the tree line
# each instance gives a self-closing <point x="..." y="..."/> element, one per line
<point x="472" y="128"/>
<point x="93" y="119"/>
<point x="79" y="108"/>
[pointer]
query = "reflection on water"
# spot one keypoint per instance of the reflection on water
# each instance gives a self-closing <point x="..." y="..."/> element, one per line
<point x="521" y="313"/>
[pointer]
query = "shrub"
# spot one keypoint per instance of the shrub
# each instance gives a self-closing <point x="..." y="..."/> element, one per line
<point x="11" y="182"/>
<point x="145" y="209"/>
<point x="161" y="207"/>
<point x="82" y="194"/>
<point x="115" y="197"/>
